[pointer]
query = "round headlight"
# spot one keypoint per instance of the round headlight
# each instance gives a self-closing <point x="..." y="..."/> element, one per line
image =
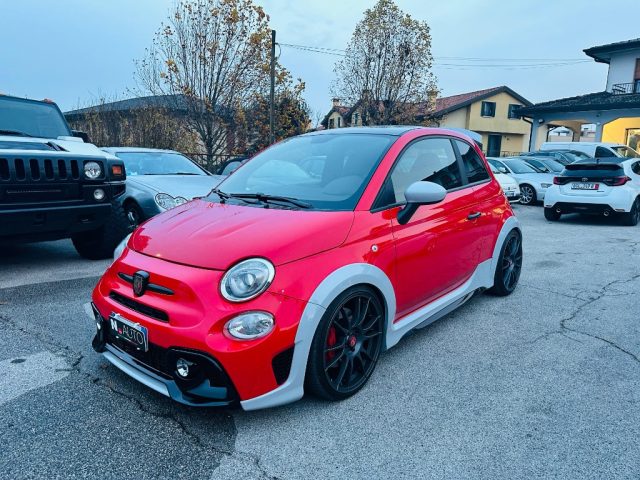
<point x="250" y="325"/>
<point x="180" y="200"/>
<point x="92" y="170"/>
<point x="165" y="201"/>
<point x="247" y="279"/>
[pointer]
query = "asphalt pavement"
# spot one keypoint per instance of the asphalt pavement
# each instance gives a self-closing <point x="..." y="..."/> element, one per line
<point x="541" y="384"/>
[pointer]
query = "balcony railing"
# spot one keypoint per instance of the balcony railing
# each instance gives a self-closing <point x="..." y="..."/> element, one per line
<point x="626" y="88"/>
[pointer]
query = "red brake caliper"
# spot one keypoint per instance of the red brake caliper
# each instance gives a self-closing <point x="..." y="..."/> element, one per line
<point x="331" y="341"/>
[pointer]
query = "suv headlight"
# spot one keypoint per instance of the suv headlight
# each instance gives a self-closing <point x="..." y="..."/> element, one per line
<point x="92" y="170"/>
<point x="247" y="279"/>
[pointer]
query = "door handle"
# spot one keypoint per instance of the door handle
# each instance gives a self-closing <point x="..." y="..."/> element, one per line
<point x="474" y="215"/>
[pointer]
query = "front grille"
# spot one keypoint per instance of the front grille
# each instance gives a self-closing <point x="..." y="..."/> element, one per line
<point x="40" y="169"/>
<point x="139" y="307"/>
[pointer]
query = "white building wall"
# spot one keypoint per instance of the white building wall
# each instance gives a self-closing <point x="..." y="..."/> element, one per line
<point x="621" y="68"/>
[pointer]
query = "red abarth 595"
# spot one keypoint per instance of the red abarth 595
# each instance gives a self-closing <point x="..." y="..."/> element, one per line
<point x="298" y="270"/>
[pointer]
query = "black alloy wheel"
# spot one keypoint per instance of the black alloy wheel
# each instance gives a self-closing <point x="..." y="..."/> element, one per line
<point x="509" y="266"/>
<point x="347" y="345"/>
<point x="632" y="218"/>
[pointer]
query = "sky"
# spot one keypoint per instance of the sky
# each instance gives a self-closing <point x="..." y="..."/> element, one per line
<point x="77" y="51"/>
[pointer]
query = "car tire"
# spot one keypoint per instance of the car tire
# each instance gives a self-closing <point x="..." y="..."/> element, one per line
<point x="527" y="194"/>
<point x="509" y="266"/>
<point x="100" y="244"/>
<point x="348" y="340"/>
<point x="134" y="214"/>
<point x="632" y="217"/>
<point x="552" y="215"/>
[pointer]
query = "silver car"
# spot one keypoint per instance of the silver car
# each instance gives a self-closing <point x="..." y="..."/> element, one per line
<point x="533" y="184"/>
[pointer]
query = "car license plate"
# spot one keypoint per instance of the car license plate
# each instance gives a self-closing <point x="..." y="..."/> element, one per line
<point x="585" y="186"/>
<point x="129" y="331"/>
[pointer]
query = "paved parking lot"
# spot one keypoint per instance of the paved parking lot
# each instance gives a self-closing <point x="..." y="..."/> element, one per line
<point x="542" y="384"/>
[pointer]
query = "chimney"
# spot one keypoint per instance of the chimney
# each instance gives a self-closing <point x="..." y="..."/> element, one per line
<point x="336" y="101"/>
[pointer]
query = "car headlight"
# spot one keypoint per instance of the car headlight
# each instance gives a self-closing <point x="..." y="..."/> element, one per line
<point x="247" y="279"/>
<point x="546" y="185"/>
<point x="165" y="201"/>
<point x="180" y="200"/>
<point x="250" y="325"/>
<point x="92" y="170"/>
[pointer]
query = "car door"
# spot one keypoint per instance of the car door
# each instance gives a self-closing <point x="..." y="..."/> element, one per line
<point x="436" y="251"/>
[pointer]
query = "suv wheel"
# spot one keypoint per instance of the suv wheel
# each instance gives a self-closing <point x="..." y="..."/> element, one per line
<point x="509" y="266"/>
<point x="99" y="244"/>
<point x="632" y="218"/>
<point x="527" y="195"/>
<point x="552" y="215"/>
<point x="346" y="345"/>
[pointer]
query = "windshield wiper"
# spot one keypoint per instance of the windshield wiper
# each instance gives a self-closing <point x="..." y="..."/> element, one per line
<point x="262" y="197"/>
<point x="15" y="132"/>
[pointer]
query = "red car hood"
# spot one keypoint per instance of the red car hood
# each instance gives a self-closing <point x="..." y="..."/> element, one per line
<point x="213" y="235"/>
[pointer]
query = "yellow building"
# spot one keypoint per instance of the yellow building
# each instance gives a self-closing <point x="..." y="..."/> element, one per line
<point x="615" y="112"/>
<point x="489" y="112"/>
<point x="492" y="114"/>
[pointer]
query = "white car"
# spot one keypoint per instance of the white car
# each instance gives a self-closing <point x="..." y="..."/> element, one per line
<point x="533" y="184"/>
<point x="597" y="186"/>
<point x="509" y="185"/>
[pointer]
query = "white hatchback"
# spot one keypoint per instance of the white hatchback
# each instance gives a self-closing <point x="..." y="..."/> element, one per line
<point x="509" y="185"/>
<point x="605" y="186"/>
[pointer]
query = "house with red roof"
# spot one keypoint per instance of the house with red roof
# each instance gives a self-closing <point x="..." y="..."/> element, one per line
<point x="490" y="112"/>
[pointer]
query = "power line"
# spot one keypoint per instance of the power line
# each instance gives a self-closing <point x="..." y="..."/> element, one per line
<point x="443" y="62"/>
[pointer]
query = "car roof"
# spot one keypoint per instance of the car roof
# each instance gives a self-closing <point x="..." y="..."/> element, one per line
<point x="395" y="130"/>
<point x="136" y="150"/>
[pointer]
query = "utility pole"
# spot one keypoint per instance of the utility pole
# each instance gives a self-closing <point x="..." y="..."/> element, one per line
<point x="272" y="133"/>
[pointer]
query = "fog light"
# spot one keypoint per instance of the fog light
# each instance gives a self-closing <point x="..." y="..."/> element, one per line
<point x="250" y="325"/>
<point x="98" y="194"/>
<point x="182" y="367"/>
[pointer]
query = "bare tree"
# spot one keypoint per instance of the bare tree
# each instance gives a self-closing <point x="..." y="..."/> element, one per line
<point x="211" y="56"/>
<point x="387" y="67"/>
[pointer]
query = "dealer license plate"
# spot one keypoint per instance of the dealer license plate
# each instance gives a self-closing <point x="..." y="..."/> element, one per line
<point x="129" y="331"/>
<point x="584" y="186"/>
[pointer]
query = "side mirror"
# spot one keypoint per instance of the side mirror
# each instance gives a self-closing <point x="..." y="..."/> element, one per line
<point x="503" y="170"/>
<point x="420" y="193"/>
<point x="82" y="135"/>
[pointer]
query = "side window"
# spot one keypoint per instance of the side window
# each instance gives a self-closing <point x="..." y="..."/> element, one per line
<point x="473" y="164"/>
<point x="488" y="109"/>
<point x="635" y="168"/>
<point x="432" y="160"/>
<point x="602" y="152"/>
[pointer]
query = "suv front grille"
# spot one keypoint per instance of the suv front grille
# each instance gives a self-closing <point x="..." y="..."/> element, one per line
<point x="40" y="169"/>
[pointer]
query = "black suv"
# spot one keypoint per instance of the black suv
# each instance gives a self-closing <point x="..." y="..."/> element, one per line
<point x="53" y="185"/>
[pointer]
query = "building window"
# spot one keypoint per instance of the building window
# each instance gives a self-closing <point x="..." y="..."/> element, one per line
<point x="331" y="125"/>
<point x="339" y="122"/>
<point x="512" y="111"/>
<point x="488" y="109"/>
<point x="355" y="119"/>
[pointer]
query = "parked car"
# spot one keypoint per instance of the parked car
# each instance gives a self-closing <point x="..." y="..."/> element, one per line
<point x="230" y="165"/>
<point x="565" y="157"/>
<point x="509" y="185"/>
<point x="543" y="164"/>
<point x="594" y="149"/>
<point x="54" y="184"/>
<point x="280" y="281"/>
<point x="158" y="180"/>
<point x="533" y="184"/>
<point x="601" y="187"/>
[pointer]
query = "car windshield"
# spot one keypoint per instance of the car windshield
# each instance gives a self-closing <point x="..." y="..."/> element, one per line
<point x="627" y="152"/>
<point x="158" y="163"/>
<point x="327" y="172"/>
<point x="553" y="165"/>
<point x="34" y="119"/>
<point x="518" y="166"/>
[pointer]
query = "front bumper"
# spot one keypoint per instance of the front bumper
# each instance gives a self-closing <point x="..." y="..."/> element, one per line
<point x="44" y="223"/>
<point x="208" y="384"/>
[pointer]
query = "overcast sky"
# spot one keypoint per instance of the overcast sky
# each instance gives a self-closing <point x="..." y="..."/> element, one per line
<point x="75" y="51"/>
